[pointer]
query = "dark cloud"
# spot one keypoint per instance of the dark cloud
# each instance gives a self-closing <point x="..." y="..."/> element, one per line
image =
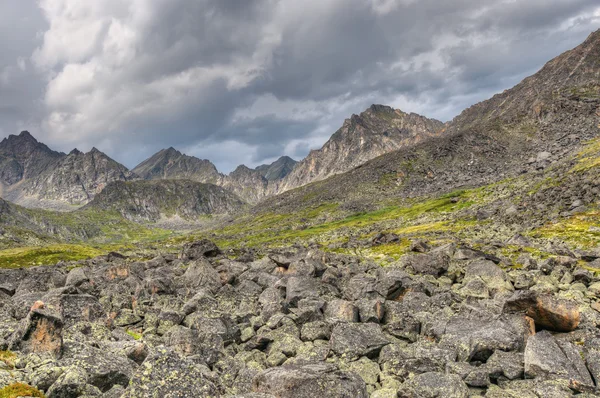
<point x="245" y="81"/>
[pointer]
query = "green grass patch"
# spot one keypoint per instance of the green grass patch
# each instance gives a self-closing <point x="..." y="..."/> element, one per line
<point x="48" y="255"/>
<point x="589" y="156"/>
<point x="8" y="357"/>
<point x="326" y="223"/>
<point x="20" y="390"/>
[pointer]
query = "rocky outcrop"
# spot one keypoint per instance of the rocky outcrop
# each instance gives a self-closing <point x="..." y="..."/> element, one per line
<point x="248" y="184"/>
<point x="163" y="199"/>
<point x="63" y="181"/>
<point x="77" y="178"/>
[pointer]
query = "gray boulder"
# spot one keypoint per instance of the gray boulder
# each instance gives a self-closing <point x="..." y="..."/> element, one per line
<point x="165" y="374"/>
<point x="549" y="359"/>
<point x="354" y="340"/>
<point x="310" y="381"/>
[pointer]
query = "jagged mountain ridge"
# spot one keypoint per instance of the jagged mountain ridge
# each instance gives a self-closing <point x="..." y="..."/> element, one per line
<point x="72" y="180"/>
<point x="380" y="129"/>
<point x="154" y="200"/>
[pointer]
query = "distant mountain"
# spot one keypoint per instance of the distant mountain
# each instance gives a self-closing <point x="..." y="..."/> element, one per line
<point x="23" y="157"/>
<point x="164" y="199"/>
<point x="378" y="130"/>
<point x="248" y="184"/>
<point x="278" y="169"/>
<point x="66" y="180"/>
<point x="172" y="164"/>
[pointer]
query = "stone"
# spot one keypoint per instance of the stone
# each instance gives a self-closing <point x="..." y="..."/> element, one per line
<point x="341" y="311"/>
<point x="426" y="264"/>
<point x="199" y="249"/>
<point x="40" y="332"/>
<point x="548" y="312"/>
<point x="309" y="381"/>
<point x="549" y="359"/>
<point x="434" y="385"/>
<point x="166" y="374"/>
<point x="353" y="340"/>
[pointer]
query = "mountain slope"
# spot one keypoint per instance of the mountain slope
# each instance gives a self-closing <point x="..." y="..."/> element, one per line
<point x="378" y="130"/>
<point x="164" y="199"/>
<point x="522" y="130"/>
<point x="172" y="164"/>
<point x="278" y="169"/>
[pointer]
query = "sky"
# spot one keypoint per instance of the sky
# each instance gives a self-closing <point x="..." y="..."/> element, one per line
<point x="246" y="81"/>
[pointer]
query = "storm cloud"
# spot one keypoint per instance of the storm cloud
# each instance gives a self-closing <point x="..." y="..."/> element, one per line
<point x="245" y="81"/>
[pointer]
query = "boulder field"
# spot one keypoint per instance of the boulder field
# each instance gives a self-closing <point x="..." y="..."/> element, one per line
<point x="446" y="321"/>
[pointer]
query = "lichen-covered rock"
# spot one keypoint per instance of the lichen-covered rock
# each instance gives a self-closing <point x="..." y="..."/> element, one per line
<point x="434" y="385"/>
<point x="309" y="381"/>
<point x="547" y="312"/>
<point x="73" y="382"/>
<point x="199" y="249"/>
<point x="353" y="340"/>
<point x="549" y="359"/>
<point x="40" y="332"/>
<point x="166" y="374"/>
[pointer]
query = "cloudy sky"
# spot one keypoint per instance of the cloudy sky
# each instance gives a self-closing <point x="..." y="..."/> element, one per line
<point x="245" y="81"/>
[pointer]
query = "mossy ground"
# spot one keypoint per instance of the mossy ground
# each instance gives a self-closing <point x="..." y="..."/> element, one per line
<point x="77" y="236"/>
<point x="134" y="334"/>
<point x="20" y="390"/>
<point x="582" y="230"/>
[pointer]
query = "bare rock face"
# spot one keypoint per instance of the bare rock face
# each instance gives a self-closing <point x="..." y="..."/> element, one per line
<point x="278" y="169"/>
<point x="248" y="184"/>
<point x="23" y="157"/>
<point x="77" y="178"/>
<point x="51" y="179"/>
<point x="157" y="199"/>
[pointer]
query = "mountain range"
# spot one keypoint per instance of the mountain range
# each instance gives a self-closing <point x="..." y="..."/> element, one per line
<point x="521" y="130"/>
<point x="35" y="176"/>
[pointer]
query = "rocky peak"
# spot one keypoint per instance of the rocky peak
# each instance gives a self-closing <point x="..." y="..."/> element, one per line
<point x="278" y="169"/>
<point x="22" y="156"/>
<point x="27" y="135"/>
<point x="74" y="179"/>
<point x="171" y="164"/>
<point x="379" y="129"/>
